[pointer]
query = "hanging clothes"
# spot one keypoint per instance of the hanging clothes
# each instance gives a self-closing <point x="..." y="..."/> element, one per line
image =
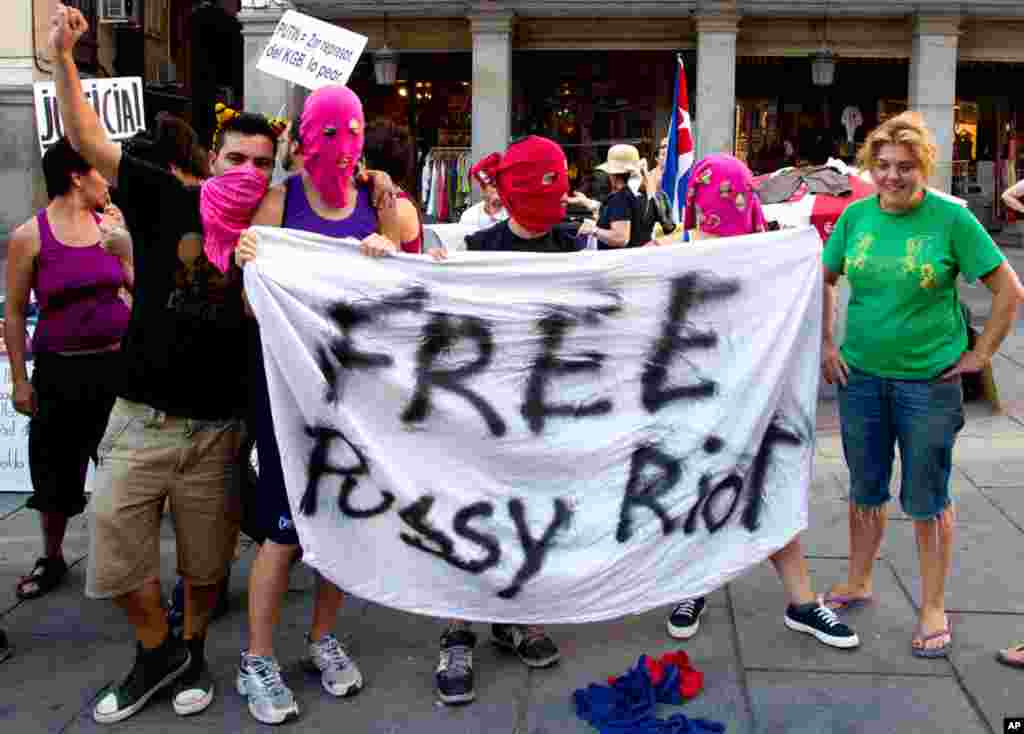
<point x="445" y="183"/>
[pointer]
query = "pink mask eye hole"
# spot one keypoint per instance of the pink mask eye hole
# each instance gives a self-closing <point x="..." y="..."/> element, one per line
<point x="549" y="178"/>
<point x="330" y="131"/>
<point x="353" y="125"/>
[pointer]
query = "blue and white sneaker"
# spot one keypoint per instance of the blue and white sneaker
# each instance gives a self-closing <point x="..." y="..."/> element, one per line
<point x="270" y="700"/>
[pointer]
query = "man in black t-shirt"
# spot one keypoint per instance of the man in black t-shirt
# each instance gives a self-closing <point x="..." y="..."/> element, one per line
<point x="174" y="431"/>
<point x="532" y="178"/>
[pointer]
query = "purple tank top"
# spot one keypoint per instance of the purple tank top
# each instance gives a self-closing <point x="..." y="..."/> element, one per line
<point x="77" y="288"/>
<point x="298" y="214"/>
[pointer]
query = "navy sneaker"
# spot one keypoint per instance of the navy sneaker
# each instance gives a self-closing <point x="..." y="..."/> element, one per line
<point x="820" y="621"/>
<point x="684" y="621"/>
<point x="454" y="676"/>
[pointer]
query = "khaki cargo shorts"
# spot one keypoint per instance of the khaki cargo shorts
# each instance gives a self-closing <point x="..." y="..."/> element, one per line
<point x="145" y="458"/>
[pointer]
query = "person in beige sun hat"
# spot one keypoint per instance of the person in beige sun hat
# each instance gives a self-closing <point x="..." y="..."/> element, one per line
<point x="618" y="222"/>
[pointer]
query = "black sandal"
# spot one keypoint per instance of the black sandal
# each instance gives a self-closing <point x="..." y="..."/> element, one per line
<point x="46" y="576"/>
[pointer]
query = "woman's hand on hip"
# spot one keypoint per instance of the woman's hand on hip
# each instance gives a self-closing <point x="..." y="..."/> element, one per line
<point x="969" y="363"/>
<point x="833" y="367"/>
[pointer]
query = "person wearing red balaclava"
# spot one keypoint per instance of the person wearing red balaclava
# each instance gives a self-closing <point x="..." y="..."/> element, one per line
<point x="532" y="178"/>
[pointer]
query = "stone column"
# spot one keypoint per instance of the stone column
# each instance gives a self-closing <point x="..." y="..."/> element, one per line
<point x="263" y="93"/>
<point x="716" y="83"/>
<point x="492" y="83"/>
<point x="933" y="85"/>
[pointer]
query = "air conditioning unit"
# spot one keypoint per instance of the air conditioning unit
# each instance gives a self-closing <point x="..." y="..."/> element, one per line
<point x="127" y="12"/>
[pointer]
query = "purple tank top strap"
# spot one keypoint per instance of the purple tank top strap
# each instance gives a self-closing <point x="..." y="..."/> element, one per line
<point x="47" y="240"/>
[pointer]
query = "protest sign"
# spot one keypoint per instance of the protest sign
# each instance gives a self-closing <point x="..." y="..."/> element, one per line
<point x="542" y="438"/>
<point x="118" y="103"/>
<point x="310" y="52"/>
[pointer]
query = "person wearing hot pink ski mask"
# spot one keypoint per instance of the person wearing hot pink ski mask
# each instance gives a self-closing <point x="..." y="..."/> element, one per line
<point x="331" y="132"/>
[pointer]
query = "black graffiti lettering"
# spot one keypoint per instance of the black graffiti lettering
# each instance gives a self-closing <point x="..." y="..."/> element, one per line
<point x="439" y="335"/>
<point x="52" y="119"/>
<point x="415" y="516"/>
<point x="488" y="542"/>
<point x="341" y="352"/>
<point x="706" y="503"/>
<point x="688" y="291"/>
<point x="438" y="543"/>
<point x="644" y="492"/>
<point x="320" y="467"/>
<point x="548" y="364"/>
<point x="535" y="550"/>
<point x="775" y="434"/>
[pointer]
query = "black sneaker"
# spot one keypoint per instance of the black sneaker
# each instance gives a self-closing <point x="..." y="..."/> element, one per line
<point x="5" y="647"/>
<point x="193" y="691"/>
<point x="531" y="644"/>
<point x="684" y="621"/>
<point x="820" y="621"/>
<point x="455" y="670"/>
<point x="153" y="670"/>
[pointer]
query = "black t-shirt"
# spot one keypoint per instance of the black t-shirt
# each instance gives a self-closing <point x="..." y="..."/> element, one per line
<point x="500" y="238"/>
<point x="623" y="206"/>
<point x="185" y="349"/>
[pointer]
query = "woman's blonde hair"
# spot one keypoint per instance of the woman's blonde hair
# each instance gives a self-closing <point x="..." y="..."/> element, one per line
<point x="907" y="129"/>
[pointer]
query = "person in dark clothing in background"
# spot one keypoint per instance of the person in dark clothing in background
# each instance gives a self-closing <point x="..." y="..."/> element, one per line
<point x="619" y="223"/>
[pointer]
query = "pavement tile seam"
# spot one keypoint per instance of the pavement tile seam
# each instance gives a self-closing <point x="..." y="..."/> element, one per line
<point x="864" y="673"/>
<point x="744" y="681"/>
<point x="1002" y="511"/>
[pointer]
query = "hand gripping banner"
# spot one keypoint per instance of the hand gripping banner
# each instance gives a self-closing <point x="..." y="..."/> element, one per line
<point x="542" y="438"/>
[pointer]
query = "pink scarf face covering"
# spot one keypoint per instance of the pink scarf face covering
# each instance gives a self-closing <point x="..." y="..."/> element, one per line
<point x="226" y="205"/>
<point x="332" y="141"/>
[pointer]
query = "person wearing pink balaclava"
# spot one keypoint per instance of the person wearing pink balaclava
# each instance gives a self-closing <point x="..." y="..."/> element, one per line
<point x="721" y="202"/>
<point x="325" y="197"/>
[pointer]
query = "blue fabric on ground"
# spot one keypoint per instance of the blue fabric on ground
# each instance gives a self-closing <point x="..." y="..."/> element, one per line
<point x="628" y="705"/>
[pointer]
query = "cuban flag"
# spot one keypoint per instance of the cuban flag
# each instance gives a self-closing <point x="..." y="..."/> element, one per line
<point x="679" y="158"/>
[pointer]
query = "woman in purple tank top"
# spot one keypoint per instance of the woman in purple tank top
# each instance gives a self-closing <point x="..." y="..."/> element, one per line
<point x="327" y="198"/>
<point x="77" y="264"/>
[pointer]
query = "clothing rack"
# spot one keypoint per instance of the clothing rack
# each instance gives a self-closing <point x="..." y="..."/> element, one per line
<point x="445" y="182"/>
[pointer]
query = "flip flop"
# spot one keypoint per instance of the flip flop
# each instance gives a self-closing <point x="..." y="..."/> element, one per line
<point x="934" y="652"/>
<point x="1005" y="659"/>
<point x="837" y="602"/>
<point x="46" y="576"/>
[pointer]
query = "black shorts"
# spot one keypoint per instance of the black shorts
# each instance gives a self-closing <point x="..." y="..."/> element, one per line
<point x="74" y="395"/>
<point x="269" y="515"/>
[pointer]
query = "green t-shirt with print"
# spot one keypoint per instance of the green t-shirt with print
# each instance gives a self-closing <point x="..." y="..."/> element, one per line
<point x="904" y="319"/>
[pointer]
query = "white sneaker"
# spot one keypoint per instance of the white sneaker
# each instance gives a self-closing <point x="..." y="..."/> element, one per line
<point x="270" y="700"/>
<point x="338" y="672"/>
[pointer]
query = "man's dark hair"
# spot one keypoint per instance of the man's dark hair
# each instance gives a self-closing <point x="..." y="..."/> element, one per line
<point x="245" y="123"/>
<point x="59" y="162"/>
<point x="172" y="141"/>
<point x="388" y="147"/>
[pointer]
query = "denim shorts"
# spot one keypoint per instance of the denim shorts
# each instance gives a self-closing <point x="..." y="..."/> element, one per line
<point x="922" y="417"/>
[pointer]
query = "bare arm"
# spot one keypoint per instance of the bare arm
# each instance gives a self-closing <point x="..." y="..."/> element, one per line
<point x="1007" y="296"/>
<point x="617" y="236"/>
<point x="22" y="252"/>
<point x="1012" y="197"/>
<point x="409" y="219"/>
<point x="834" y="368"/>
<point x="81" y="124"/>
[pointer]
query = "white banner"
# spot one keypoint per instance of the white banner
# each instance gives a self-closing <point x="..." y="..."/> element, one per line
<point x="542" y="438"/>
<point x="311" y="52"/>
<point x="117" y="101"/>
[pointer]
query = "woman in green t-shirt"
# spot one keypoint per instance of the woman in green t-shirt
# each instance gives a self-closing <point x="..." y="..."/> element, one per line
<point x="899" y="370"/>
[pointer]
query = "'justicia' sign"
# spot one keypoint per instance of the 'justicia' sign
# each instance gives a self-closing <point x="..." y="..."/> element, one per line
<point x="118" y="103"/>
